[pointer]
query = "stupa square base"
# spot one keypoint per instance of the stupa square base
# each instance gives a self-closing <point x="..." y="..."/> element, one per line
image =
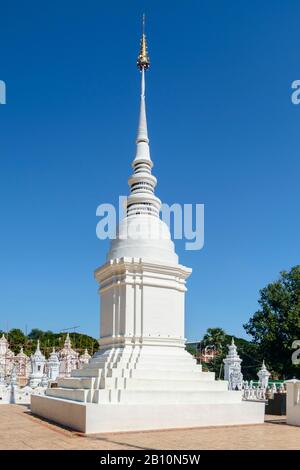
<point x="101" y="418"/>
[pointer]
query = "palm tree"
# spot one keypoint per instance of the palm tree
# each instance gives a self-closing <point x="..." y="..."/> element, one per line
<point x="214" y="337"/>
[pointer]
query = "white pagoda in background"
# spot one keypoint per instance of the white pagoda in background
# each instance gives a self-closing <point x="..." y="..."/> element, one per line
<point x="263" y="376"/>
<point x="23" y="366"/>
<point x="6" y="358"/>
<point x="53" y="365"/>
<point x="232" y="368"/>
<point x="142" y="377"/>
<point x="68" y="358"/>
<point x="65" y="360"/>
<point x="84" y="358"/>
<point x="38" y="362"/>
<point x="21" y="376"/>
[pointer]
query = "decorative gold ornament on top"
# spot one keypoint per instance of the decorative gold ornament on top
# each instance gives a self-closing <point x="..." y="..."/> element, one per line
<point x="143" y="61"/>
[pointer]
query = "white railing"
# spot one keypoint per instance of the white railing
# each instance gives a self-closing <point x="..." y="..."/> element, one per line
<point x="251" y="392"/>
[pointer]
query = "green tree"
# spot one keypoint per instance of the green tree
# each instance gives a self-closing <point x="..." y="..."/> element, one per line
<point x="48" y="340"/>
<point x="248" y="352"/>
<point x="214" y="337"/>
<point x="250" y="355"/>
<point x="16" y="339"/>
<point x="276" y="324"/>
<point x="35" y="334"/>
<point x="191" y="350"/>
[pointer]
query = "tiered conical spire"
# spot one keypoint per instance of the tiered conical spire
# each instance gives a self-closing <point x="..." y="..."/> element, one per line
<point x="67" y="343"/>
<point x="232" y="354"/>
<point x="142" y="183"/>
<point x="3" y="339"/>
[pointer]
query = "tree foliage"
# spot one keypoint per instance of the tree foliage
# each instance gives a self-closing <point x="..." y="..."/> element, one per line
<point x="276" y="324"/>
<point x="248" y="352"/>
<point x="214" y="337"/>
<point x="16" y="337"/>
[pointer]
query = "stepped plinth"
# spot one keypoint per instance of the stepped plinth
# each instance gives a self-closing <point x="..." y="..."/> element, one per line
<point x="153" y="390"/>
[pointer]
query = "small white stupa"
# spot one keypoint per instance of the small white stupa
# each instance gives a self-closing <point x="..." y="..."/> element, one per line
<point x="263" y="376"/>
<point x="3" y="345"/>
<point x="22" y="362"/>
<point x="68" y="358"/>
<point x="38" y="362"/>
<point x="142" y="377"/>
<point x="84" y="358"/>
<point x="232" y="368"/>
<point x="53" y="366"/>
<point x="6" y="357"/>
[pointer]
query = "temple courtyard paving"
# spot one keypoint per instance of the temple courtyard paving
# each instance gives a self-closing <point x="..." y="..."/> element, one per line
<point x="21" y="430"/>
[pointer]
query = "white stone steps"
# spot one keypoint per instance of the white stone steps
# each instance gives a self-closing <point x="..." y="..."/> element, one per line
<point x="185" y="360"/>
<point x="69" y="394"/>
<point x="93" y="371"/>
<point x="163" y="373"/>
<point x="166" y="397"/>
<point x="166" y="367"/>
<point x="162" y="384"/>
<point x="138" y="375"/>
<point x="87" y="373"/>
<point x="79" y="382"/>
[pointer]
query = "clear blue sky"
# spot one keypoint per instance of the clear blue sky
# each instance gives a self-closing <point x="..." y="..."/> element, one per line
<point x="220" y="116"/>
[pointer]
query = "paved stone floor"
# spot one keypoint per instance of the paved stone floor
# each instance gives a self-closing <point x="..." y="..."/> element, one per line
<point x="20" y="430"/>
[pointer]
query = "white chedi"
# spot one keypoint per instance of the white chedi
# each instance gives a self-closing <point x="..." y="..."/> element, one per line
<point x="3" y="345"/>
<point x="263" y="376"/>
<point x="53" y="365"/>
<point x="38" y="362"/>
<point x="142" y="377"/>
<point x="23" y="366"/>
<point x="84" y="358"/>
<point x="232" y="368"/>
<point x="6" y="357"/>
<point x="68" y="358"/>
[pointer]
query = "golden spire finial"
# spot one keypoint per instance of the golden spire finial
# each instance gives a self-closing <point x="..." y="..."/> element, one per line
<point x="143" y="61"/>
